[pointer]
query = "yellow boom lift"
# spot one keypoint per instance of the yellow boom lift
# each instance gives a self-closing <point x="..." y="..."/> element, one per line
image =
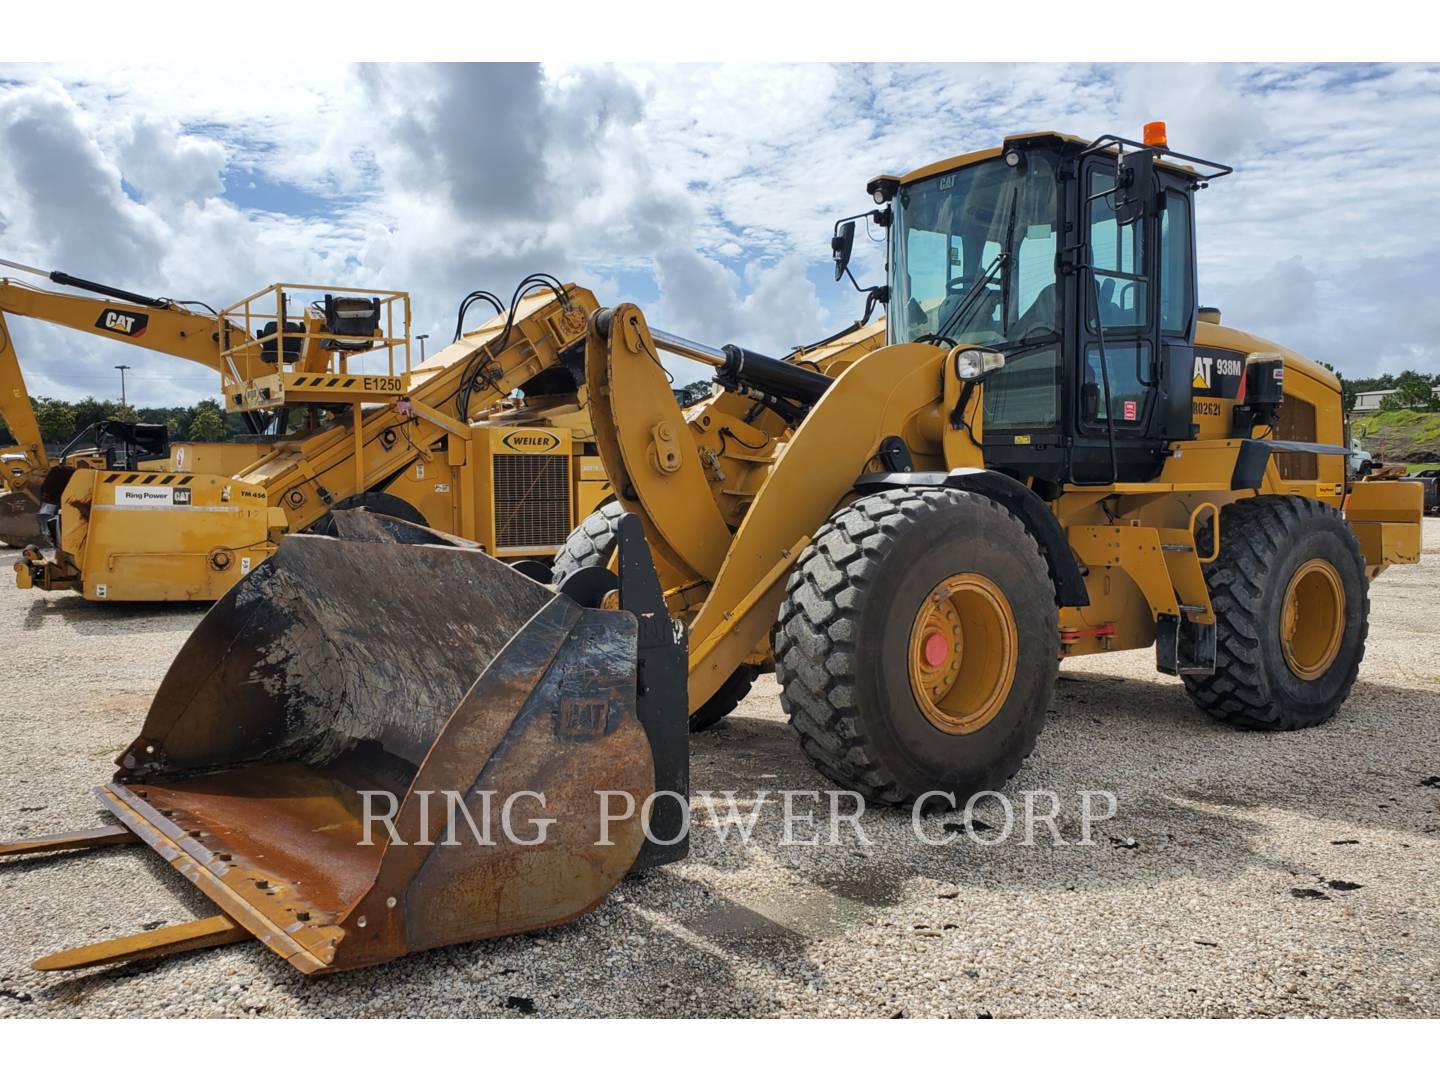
<point x="1058" y="453"/>
<point x="441" y="442"/>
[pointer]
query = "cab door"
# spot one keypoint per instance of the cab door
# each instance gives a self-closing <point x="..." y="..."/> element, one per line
<point x="1133" y="331"/>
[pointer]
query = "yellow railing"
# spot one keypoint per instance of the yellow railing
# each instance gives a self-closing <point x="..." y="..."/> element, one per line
<point x="284" y="327"/>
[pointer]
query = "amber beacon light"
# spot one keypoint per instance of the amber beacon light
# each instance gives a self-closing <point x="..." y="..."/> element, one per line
<point x="1155" y="133"/>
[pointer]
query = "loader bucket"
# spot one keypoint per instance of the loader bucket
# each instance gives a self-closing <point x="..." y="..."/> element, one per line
<point x="19" y="520"/>
<point x="383" y="744"/>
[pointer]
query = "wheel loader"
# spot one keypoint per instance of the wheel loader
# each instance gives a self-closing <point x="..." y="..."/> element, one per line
<point x="440" y="442"/>
<point x="1057" y="453"/>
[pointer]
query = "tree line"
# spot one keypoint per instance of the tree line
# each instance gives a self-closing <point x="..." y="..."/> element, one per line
<point x="206" y="421"/>
<point x="1409" y="390"/>
<point x="60" y="421"/>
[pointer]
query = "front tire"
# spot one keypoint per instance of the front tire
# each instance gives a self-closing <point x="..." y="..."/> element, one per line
<point x="1292" y="608"/>
<point x="918" y="646"/>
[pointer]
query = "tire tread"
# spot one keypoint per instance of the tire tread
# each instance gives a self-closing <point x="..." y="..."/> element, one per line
<point x="1254" y="534"/>
<point x="819" y="618"/>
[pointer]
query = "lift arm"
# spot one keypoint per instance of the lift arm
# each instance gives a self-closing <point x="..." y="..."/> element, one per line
<point x="652" y="459"/>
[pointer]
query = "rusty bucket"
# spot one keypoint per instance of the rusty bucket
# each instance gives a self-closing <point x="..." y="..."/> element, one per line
<point x="389" y="741"/>
<point x="19" y="525"/>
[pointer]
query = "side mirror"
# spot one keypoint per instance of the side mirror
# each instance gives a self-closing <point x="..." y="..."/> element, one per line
<point x="1138" y="194"/>
<point x="840" y="246"/>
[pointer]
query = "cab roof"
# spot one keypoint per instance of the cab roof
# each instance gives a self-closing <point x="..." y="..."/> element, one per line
<point x="944" y="166"/>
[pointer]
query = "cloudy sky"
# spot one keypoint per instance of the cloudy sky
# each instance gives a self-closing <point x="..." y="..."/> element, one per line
<point x="705" y="193"/>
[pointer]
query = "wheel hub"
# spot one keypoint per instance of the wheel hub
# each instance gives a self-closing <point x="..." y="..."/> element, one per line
<point x="1312" y="619"/>
<point x="962" y="653"/>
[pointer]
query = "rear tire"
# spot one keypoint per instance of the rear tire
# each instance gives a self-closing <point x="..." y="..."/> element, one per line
<point x="870" y="598"/>
<point x="725" y="700"/>
<point x="592" y="545"/>
<point x="1281" y="662"/>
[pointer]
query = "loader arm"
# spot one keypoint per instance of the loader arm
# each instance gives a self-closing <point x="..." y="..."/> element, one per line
<point x="24" y="464"/>
<point x="883" y="393"/>
<point x="879" y="395"/>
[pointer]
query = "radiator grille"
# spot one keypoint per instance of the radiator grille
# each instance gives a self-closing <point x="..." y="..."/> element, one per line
<point x="1296" y="423"/>
<point x="532" y="500"/>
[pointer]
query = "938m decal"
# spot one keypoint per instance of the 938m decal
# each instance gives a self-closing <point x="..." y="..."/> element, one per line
<point x="1218" y="373"/>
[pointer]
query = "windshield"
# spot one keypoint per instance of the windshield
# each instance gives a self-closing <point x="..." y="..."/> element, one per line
<point x="950" y="231"/>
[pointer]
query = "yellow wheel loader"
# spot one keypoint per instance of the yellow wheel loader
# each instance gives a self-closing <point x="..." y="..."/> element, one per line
<point x="440" y="442"/>
<point x="1058" y="453"/>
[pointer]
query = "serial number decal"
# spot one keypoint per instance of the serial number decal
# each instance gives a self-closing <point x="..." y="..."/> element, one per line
<point x="387" y="383"/>
<point x="1205" y="408"/>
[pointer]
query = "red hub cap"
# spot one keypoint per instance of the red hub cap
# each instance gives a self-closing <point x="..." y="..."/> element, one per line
<point x="937" y="650"/>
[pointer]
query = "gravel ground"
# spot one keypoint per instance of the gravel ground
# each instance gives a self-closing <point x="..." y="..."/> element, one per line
<point x="1242" y="875"/>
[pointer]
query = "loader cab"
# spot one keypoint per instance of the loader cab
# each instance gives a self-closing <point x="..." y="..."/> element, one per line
<point x="1076" y="262"/>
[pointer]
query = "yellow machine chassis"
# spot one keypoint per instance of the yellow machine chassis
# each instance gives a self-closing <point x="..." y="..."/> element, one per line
<point x="729" y="517"/>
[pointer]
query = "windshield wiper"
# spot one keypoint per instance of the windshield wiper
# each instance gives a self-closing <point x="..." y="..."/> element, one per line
<point x="973" y="293"/>
<point x="1009" y="247"/>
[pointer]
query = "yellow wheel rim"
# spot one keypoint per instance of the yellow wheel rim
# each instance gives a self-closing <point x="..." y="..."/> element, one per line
<point x="1312" y="620"/>
<point x="962" y="655"/>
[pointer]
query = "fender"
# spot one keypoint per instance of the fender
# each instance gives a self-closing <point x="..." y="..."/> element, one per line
<point x="1070" y="590"/>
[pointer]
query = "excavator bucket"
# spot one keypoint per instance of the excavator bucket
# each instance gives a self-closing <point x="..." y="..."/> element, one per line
<point x="389" y="741"/>
<point x="18" y="520"/>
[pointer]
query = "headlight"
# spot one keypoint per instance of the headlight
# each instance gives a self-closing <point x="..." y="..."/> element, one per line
<point x="970" y="364"/>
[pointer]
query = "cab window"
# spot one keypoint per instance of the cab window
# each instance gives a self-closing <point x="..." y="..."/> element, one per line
<point x="1118" y="255"/>
<point x="1176" y="290"/>
<point x="1025" y="393"/>
<point x="1128" y="366"/>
